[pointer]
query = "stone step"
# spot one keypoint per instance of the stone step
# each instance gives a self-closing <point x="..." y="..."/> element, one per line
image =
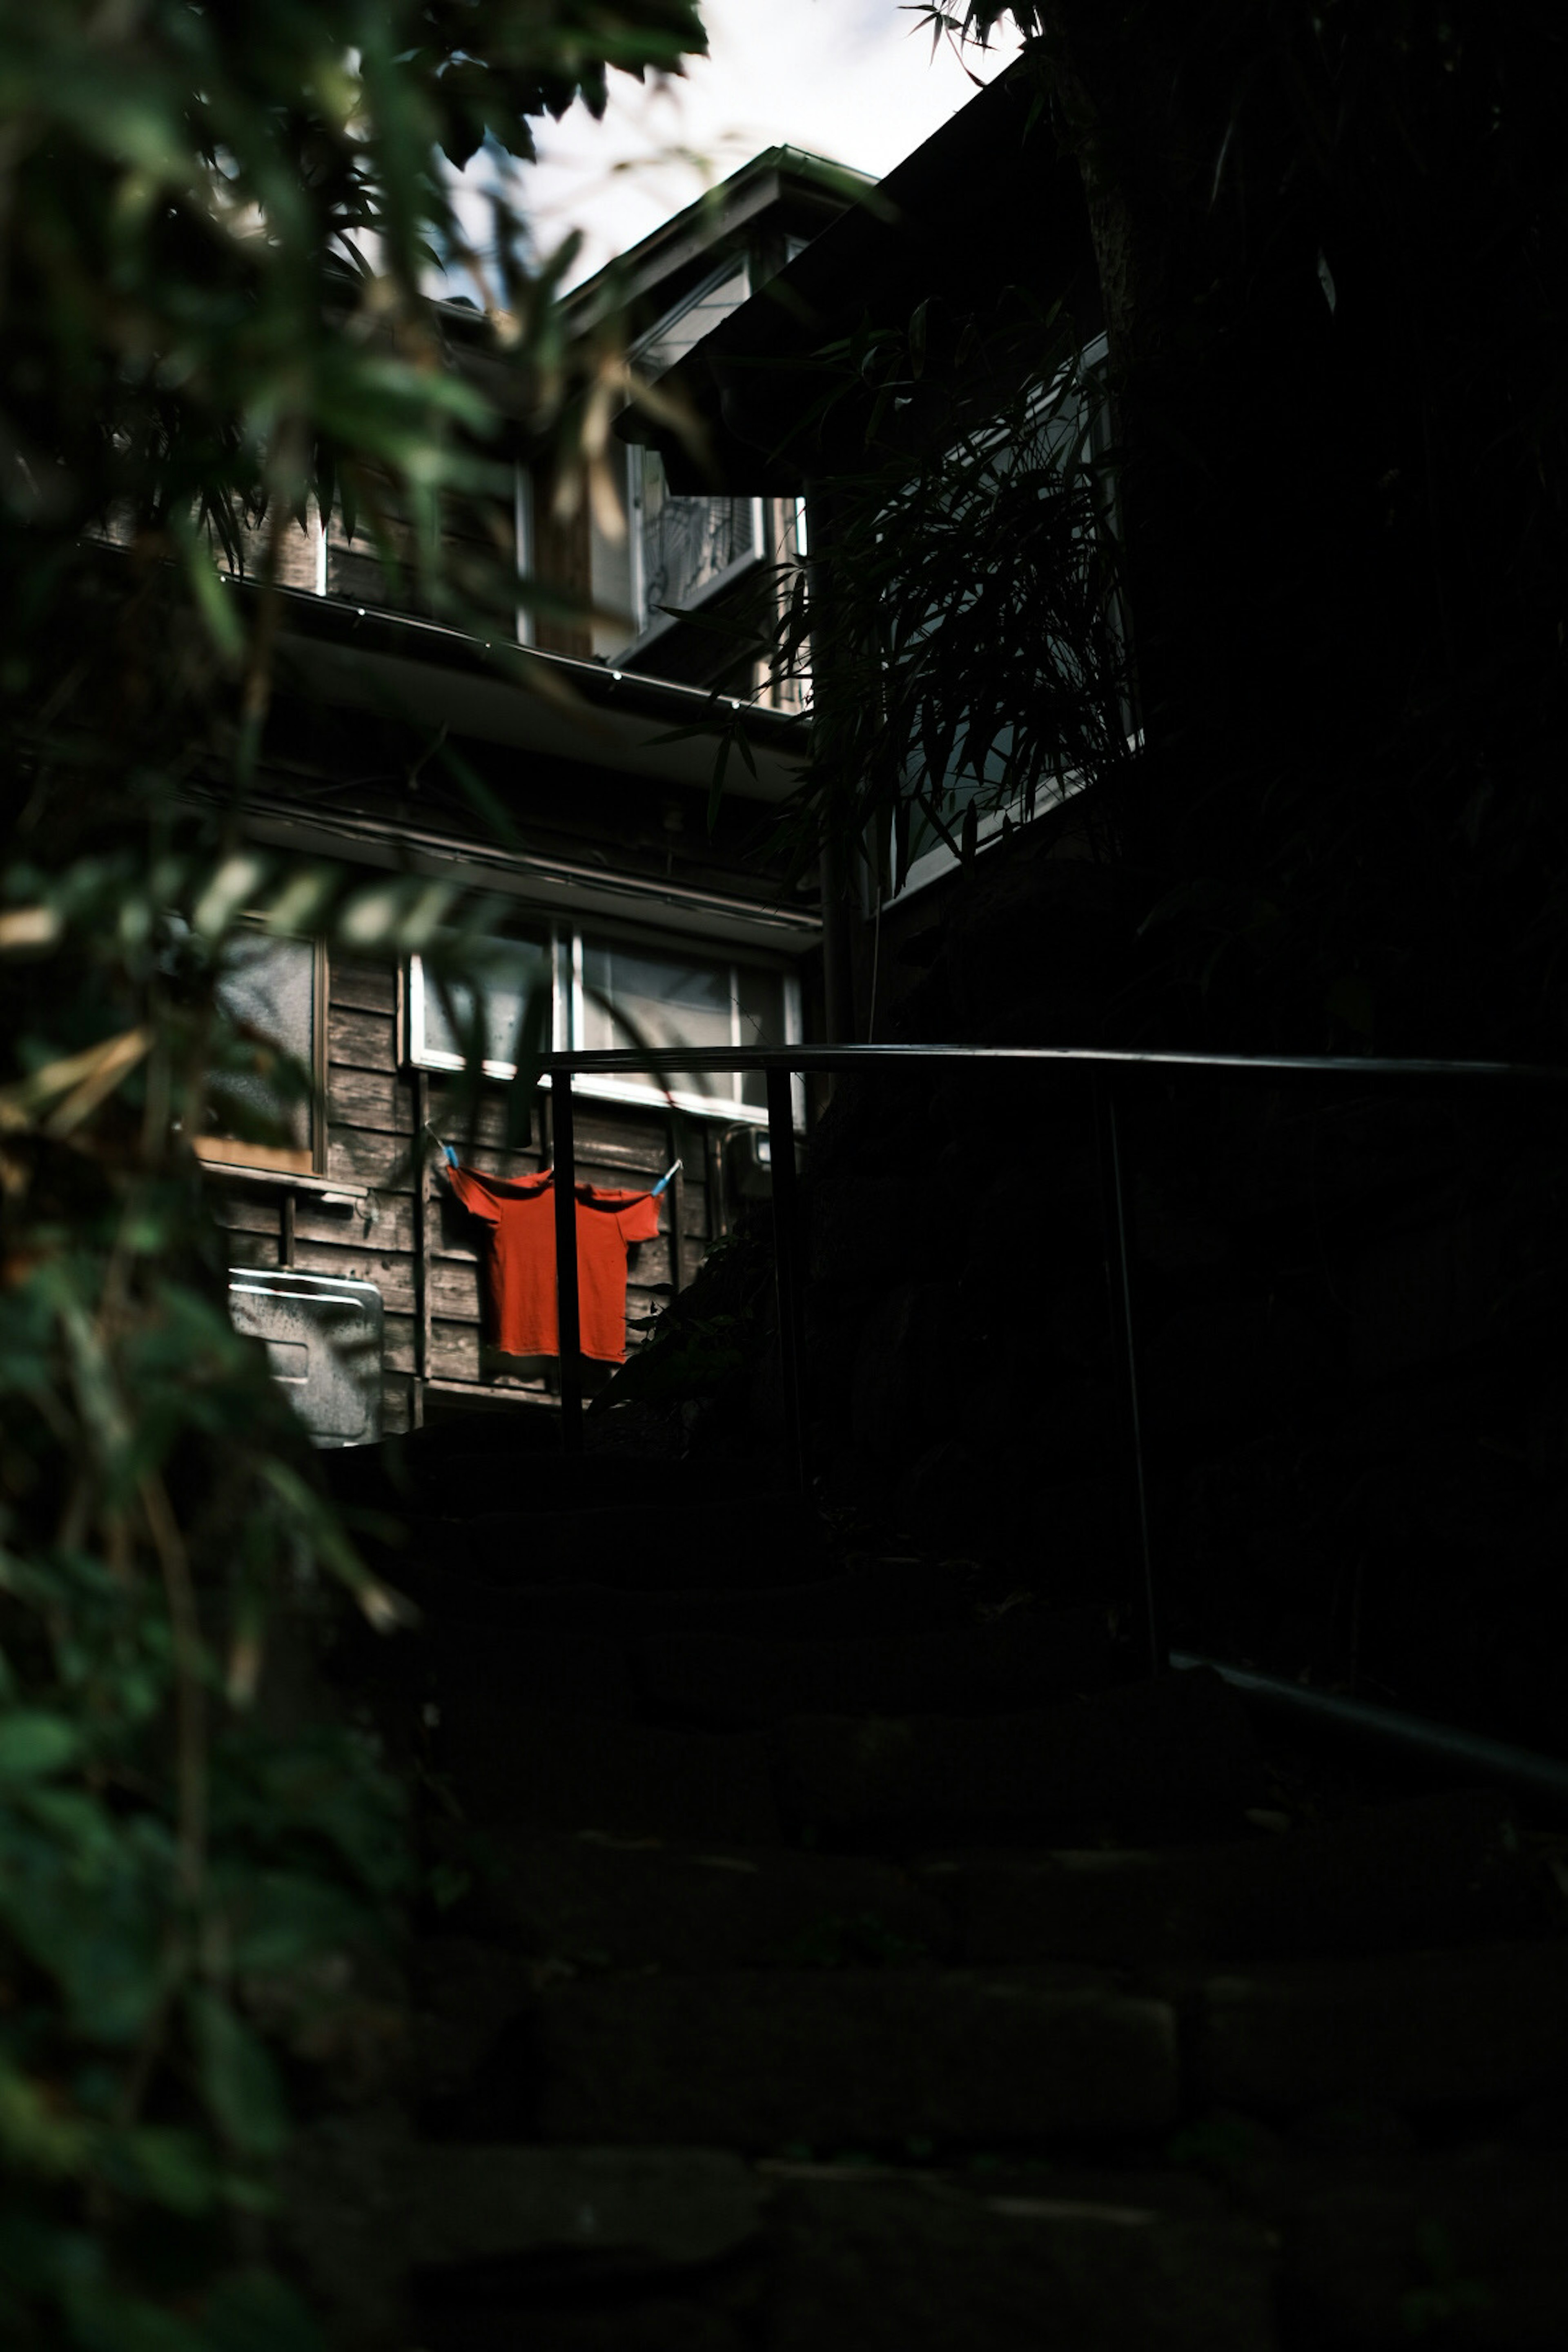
<point x="1446" y="1869"/>
<point x="452" y="1472"/>
<point x="1163" y="1758"/>
<point x="730" y="1683"/>
<point x="487" y="2247"/>
<point x="1158" y="1759"/>
<point x="457" y="1475"/>
<point x="464" y="2248"/>
<point x="637" y="1549"/>
<point x="571" y="2319"/>
<point x="382" y="2225"/>
<point x="1459" y="2245"/>
<point x="642" y="1547"/>
<point x="598" y="1901"/>
<point x="472" y="1483"/>
<point x="387" y="1475"/>
<point x="873" y="2264"/>
<point x="564" y="1771"/>
<point x="836" y="2059"/>
<point x="725" y="1683"/>
<point x="450" y="1663"/>
<point x="859" y="2260"/>
<point x="1420" y="2032"/>
<point x="883" y="2057"/>
<point x="881" y="1597"/>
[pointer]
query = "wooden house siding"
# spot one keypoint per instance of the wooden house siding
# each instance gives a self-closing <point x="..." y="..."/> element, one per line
<point x="406" y="1234"/>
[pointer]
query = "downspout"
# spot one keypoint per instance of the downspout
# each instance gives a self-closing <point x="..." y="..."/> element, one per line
<point x="837" y="951"/>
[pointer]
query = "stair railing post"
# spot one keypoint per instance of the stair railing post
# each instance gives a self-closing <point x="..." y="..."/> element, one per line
<point x="786" y="1264"/>
<point x="1134" y="1505"/>
<point x="568" y="1322"/>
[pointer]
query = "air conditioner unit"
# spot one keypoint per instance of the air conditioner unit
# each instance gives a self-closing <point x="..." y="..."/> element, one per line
<point x="750" y="1158"/>
<point x="324" y="1337"/>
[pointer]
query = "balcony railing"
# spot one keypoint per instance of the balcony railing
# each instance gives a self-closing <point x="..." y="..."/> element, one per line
<point x="1109" y="1071"/>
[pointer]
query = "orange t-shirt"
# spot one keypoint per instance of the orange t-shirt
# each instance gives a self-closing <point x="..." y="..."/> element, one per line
<point x="519" y="1261"/>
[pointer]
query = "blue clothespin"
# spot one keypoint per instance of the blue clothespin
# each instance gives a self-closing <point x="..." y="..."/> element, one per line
<point x="656" y="1190"/>
<point x="447" y="1153"/>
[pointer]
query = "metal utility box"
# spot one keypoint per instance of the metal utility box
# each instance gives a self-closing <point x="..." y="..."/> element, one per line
<point x="324" y="1337"/>
<point x="750" y="1159"/>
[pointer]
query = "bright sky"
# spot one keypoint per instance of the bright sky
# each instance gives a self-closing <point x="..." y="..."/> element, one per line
<point x="851" y="79"/>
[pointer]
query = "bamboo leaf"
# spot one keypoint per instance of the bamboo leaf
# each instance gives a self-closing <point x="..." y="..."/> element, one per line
<point x="238" y="2078"/>
<point x="34" y="1746"/>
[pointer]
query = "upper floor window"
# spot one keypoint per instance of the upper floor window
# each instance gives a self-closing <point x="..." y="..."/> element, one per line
<point x="683" y="328"/>
<point x="606" y="991"/>
<point x="684" y="549"/>
<point x="1008" y="732"/>
<point x="267" y="1093"/>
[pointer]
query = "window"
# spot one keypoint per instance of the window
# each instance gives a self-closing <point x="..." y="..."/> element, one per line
<point x="610" y="990"/>
<point x="442" y="1020"/>
<point x="1066" y="426"/>
<point x="682" y="328"/>
<point x="522" y="543"/>
<point x="684" y="549"/>
<point x="629" y="995"/>
<point x="266" y="1105"/>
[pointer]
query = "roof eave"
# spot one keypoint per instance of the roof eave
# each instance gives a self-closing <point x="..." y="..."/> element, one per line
<point x="986" y="201"/>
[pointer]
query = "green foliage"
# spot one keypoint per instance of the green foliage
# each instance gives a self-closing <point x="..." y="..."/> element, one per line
<point x="215" y="226"/>
<point x="684" y="1357"/>
<point x="1448" y="2295"/>
<point x="703" y="1344"/>
<point x="857" y="1940"/>
<point x="975" y="655"/>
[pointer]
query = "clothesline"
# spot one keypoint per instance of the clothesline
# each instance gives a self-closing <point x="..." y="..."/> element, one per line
<point x="521" y="1218"/>
<point x="451" y="1158"/>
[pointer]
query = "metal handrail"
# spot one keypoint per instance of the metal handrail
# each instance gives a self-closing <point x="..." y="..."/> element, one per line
<point x="682" y="1060"/>
<point x="1108" y="1067"/>
<point x="1390" y="1730"/>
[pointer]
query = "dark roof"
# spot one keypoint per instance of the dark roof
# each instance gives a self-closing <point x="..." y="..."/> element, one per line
<point x="988" y="202"/>
<point x="424" y="675"/>
<point x="808" y="188"/>
<point x="782" y="191"/>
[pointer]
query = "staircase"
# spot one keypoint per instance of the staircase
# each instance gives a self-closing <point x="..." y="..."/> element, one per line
<point x="828" y="1957"/>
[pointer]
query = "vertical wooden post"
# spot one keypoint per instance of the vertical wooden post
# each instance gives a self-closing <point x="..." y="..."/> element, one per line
<point x="425" y="1217"/>
<point x="676" y="1211"/>
<point x="1132" y="1500"/>
<point x="568" y="1327"/>
<point x="713" y="1179"/>
<point x="788" y="1266"/>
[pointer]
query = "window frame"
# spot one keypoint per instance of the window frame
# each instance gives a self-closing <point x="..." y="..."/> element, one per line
<point x="651" y="626"/>
<point x="933" y="862"/>
<point x="523" y="532"/>
<point x="735" y="264"/>
<point x="221" y="1152"/>
<point x="566" y="941"/>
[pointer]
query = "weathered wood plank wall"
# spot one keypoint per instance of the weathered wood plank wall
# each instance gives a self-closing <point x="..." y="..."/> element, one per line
<point x="371" y="1120"/>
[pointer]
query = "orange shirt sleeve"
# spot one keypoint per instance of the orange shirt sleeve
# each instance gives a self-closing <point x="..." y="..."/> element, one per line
<point x="470" y="1186"/>
<point x="638" y="1221"/>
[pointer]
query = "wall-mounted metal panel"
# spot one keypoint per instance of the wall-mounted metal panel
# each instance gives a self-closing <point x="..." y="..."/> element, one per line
<point x="323" y="1338"/>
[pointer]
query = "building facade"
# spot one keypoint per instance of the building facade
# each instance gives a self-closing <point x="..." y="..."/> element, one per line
<point x="565" y="779"/>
